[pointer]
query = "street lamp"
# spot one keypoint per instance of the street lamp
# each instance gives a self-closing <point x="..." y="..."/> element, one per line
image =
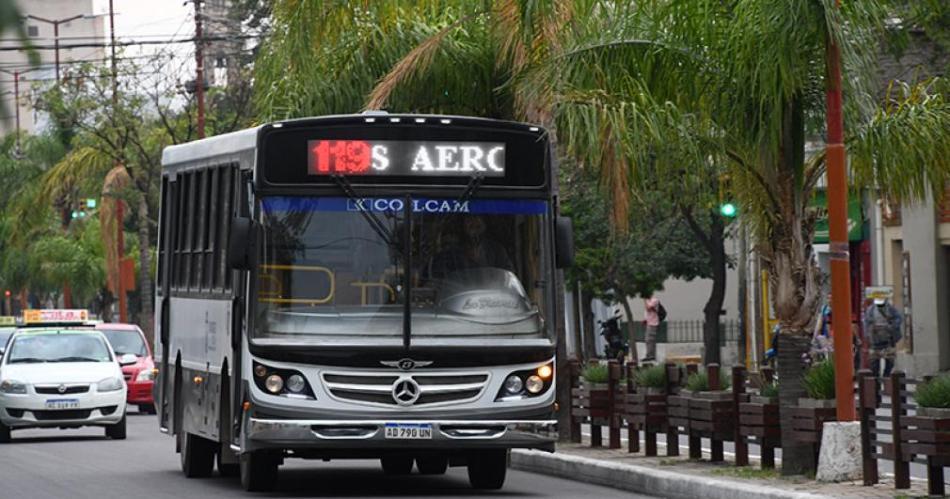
<point x="56" y="23"/>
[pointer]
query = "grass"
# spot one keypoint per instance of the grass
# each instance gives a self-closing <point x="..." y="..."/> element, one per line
<point x="595" y="373"/>
<point x="934" y="393"/>
<point x="769" y="390"/>
<point x="819" y="380"/>
<point x="747" y="472"/>
<point x="652" y="377"/>
<point x="699" y="382"/>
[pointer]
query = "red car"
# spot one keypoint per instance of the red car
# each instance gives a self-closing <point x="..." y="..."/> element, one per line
<point x="135" y="357"/>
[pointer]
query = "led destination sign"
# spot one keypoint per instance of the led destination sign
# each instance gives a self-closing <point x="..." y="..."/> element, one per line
<point x="405" y="158"/>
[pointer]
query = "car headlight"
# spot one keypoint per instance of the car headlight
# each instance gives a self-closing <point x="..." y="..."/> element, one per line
<point x="11" y="386"/>
<point x="110" y="385"/>
<point x="145" y="375"/>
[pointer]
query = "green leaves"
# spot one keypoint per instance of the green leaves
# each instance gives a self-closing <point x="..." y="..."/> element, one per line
<point x="934" y="393"/>
<point x="819" y="380"/>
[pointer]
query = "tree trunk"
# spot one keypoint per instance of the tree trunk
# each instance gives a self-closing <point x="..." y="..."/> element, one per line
<point x="797" y="459"/>
<point x="711" y="312"/>
<point x="631" y="330"/>
<point x="145" y="274"/>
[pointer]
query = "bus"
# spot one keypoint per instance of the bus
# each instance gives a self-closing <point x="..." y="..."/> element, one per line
<point x="373" y="286"/>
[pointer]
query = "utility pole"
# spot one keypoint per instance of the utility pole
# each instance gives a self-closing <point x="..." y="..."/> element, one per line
<point x="56" y="23"/>
<point x="838" y="234"/>
<point x="119" y="204"/>
<point x="115" y="72"/>
<point x="200" y="70"/>
<point x="743" y="278"/>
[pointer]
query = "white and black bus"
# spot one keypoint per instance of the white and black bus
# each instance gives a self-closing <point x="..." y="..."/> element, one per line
<point x="367" y="286"/>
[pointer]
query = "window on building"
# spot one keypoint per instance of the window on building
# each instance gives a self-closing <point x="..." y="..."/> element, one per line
<point x="32" y="31"/>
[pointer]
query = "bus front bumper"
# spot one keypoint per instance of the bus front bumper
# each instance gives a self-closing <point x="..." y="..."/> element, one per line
<point x="265" y="433"/>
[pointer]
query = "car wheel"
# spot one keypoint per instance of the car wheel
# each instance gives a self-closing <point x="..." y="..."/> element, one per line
<point x="116" y="431"/>
<point x="147" y="408"/>
<point x="487" y="469"/>
<point x="197" y="456"/>
<point x="397" y="465"/>
<point x="5" y="437"/>
<point x="227" y="469"/>
<point x="432" y="465"/>
<point x="258" y="471"/>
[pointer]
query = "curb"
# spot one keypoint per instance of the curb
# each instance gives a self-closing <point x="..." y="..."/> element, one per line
<point x="643" y="479"/>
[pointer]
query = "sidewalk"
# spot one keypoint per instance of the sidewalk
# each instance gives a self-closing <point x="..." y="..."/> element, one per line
<point x="679" y="477"/>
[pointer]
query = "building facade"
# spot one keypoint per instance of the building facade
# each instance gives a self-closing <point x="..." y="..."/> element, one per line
<point x="78" y="22"/>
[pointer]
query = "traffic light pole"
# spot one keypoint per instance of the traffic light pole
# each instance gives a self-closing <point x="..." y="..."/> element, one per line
<point x="838" y="235"/>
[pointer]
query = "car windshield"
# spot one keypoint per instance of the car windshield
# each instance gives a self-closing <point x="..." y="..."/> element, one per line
<point x="32" y="348"/>
<point x="329" y="272"/>
<point x="125" y="341"/>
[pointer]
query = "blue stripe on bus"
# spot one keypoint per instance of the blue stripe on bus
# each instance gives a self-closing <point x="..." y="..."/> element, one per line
<point x="420" y="205"/>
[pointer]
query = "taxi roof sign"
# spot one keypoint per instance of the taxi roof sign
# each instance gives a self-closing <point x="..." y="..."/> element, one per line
<point x="58" y="316"/>
<point x="7" y="320"/>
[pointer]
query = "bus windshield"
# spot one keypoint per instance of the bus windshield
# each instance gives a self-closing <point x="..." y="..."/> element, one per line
<point x="330" y="273"/>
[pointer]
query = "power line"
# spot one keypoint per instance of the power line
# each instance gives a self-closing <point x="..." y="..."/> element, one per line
<point x="65" y="46"/>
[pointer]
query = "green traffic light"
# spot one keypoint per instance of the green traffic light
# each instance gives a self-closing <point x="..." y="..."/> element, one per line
<point x="90" y="203"/>
<point x="728" y="210"/>
<point x="75" y="214"/>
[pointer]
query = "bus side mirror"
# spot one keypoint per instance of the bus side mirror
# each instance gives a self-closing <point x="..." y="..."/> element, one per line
<point x="564" y="242"/>
<point x="240" y="243"/>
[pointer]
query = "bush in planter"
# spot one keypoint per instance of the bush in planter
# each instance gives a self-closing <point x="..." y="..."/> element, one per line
<point x="770" y="390"/>
<point x="819" y="380"/>
<point x="699" y="382"/>
<point x="652" y="377"/>
<point x="934" y="393"/>
<point x="595" y="373"/>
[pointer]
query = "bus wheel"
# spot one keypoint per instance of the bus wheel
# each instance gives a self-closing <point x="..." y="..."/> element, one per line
<point x="487" y="469"/>
<point x="258" y="471"/>
<point x="432" y="465"/>
<point x="397" y="465"/>
<point x="197" y="456"/>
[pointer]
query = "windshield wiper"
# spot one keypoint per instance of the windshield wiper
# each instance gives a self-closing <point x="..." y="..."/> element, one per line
<point x="374" y="222"/>
<point x="75" y="359"/>
<point x="27" y="360"/>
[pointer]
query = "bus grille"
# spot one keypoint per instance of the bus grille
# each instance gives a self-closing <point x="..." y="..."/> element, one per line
<point x="377" y="388"/>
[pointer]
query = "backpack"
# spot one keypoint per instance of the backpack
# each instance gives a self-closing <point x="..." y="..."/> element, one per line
<point x="660" y="311"/>
<point x="881" y="327"/>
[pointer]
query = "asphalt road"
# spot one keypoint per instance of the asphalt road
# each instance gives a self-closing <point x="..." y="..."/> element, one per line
<point x="82" y="463"/>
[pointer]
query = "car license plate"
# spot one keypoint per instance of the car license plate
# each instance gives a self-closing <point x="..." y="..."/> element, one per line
<point x="404" y="431"/>
<point x="62" y="404"/>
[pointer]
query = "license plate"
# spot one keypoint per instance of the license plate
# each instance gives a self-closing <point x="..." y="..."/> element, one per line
<point x="62" y="404"/>
<point x="403" y="431"/>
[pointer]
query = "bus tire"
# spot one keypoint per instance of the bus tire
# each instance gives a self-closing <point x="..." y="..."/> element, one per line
<point x="5" y="436"/>
<point x="116" y="431"/>
<point x="393" y="465"/>
<point x="487" y="469"/>
<point x="258" y="471"/>
<point x="432" y="465"/>
<point x="197" y="456"/>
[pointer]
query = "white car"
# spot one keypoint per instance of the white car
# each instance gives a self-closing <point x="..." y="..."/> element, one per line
<point x="61" y="377"/>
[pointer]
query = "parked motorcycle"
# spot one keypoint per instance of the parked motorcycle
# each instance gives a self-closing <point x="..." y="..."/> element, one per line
<point x="617" y="346"/>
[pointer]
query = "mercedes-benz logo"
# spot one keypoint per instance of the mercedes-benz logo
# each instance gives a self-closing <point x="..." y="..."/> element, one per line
<point x="406" y="391"/>
<point x="61" y="388"/>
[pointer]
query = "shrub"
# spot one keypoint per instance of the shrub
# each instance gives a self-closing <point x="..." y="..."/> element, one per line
<point x="699" y="382"/>
<point x="934" y="393"/>
<point x="595" y="373"/>
<point x="819" y="380"/>
<point x="652" y="377"/>
<point x="769" y="390"/>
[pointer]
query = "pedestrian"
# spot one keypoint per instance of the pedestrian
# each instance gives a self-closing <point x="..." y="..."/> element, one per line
<point x="654" y="314"/>
<point x="882" y="325"/>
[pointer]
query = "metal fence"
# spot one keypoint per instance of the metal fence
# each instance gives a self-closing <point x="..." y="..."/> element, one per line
<point x="687" y="331"/>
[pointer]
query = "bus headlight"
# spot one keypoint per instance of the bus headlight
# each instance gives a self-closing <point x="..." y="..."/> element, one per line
<point x="274" y="383"/>
<point x="513" y="384"/>
<point x="534" y="384"/>
<point x="296" y="383"/>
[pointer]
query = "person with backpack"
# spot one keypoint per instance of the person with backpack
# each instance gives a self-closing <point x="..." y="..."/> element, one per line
<point x="882" y="326"/>
<point x="654" y="315"/>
